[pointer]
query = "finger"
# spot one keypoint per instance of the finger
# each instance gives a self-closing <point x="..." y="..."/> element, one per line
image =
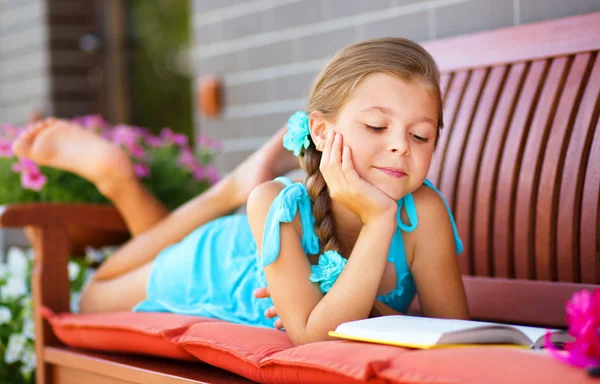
<point x="262" y="293"/>
<point x="327" y="150"/>
<point x="278" y="324"/>
<point x="271" y="313"/>
<point x="348" y="167"/>
<point x="335" y="162"/>
<point x="335" y="158"/>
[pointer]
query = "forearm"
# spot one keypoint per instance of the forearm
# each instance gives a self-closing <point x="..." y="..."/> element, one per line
<point x="353" y="294"/>
<point x="380" y="309"/>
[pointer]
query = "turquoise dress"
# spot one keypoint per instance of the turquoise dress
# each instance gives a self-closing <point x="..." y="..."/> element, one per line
<point x="214" y="270"/>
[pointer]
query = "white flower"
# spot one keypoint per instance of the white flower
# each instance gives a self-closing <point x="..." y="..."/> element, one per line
<point x="5" y="315"/>
<point x="73" y="270"/>
<point x="3" y="271"/>
<point x="28" y="360"/>
<point x="93" y="255"/>
<point x="27" y="306"/>
<point x="17" y="262"/>
<point x="29" y="329"/>
<point x="15" y="348"/>
<point x="74" y="304"/>
<point x="14" y="288"/>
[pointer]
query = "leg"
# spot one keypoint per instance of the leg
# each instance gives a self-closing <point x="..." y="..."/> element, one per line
<point x="86" y="154"/>
<point x="103" y="163"/>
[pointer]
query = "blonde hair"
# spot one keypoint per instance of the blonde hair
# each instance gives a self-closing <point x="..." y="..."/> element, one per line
<point x="333" y="87"/>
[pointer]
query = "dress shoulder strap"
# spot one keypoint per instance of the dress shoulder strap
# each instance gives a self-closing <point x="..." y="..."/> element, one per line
<point x="291" y="199"/>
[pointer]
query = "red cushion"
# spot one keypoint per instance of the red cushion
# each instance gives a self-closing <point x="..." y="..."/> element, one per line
<point x="267" y="355"/>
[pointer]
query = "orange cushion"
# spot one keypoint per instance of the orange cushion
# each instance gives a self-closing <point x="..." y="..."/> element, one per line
<point x="267" y="355"/>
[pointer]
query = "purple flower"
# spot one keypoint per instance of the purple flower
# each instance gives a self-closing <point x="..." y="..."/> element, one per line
<point x="171" y="137"/>
<point x="5" y="147"/>
<point x="142" y="170"/>
<point x="583" y="317"/>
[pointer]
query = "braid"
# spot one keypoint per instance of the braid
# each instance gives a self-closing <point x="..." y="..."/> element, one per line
<point x="319" y="194"/>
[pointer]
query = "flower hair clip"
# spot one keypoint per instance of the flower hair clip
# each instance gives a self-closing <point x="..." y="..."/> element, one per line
<point x="296" y="137"/>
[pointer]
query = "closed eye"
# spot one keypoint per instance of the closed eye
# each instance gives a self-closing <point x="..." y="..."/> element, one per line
<point x="376" y="129"/>
<point x="420" y="139"/>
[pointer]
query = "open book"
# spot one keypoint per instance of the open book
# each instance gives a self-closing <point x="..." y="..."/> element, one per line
<point x="423" y="332"/>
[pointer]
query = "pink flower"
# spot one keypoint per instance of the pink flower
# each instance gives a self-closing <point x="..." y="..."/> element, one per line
<point x="212" y="174"/>
<point x="142" y="170"/>
<point x="91" y="122"/>
<point x="31" y="177"/>
<point x="24" y="165"/>
<point x="154" y="141"/>
<point x="11" y="131"/>
<point x="129" y="138"/>
<point x="175" y="138"/>
<point x="583" y="317"/>
<point x="33" y="180"/>
<point x="199" y="173"/>
<point x="5" y="147"/>
<point x="213" y="144"/>
<point x="187" y="158"/>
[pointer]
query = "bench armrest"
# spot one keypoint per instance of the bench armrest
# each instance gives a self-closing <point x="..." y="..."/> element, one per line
<point x="48" y="225"/>
<point x="93" y="216"/>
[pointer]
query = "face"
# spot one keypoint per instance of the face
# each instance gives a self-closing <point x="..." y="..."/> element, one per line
<point x="390" y="125"/>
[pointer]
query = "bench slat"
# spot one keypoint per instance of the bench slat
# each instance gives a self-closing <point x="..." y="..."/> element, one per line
<point x="483" y="216"/>
<point x="552" y="161"/>
<point x="571" y="188"/>
<point x="503" y="241"/>
<point x="590" y="216"/>
<point x="452" y="100"/>
<point x="471" y="166"/>
<point x="529" y="174"/>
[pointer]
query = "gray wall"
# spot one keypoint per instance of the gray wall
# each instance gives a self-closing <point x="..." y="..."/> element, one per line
<point x="24" y="59"/>
<point x="268" y="51"/>
<point x="42" y="67"/>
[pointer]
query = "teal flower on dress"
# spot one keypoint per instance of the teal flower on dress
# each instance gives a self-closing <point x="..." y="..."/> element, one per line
<point x="297" y="134"/>
<point x="331" y="264"/>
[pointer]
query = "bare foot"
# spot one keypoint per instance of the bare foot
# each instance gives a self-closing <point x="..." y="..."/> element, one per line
<point x="269" y="161"/>
<point x="70" y="147"/>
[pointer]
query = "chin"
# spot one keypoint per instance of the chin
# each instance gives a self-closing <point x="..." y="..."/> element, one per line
<point x="395" y="191"/>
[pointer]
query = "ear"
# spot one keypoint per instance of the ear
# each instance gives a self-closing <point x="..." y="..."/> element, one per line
<point x="319" y="126"/>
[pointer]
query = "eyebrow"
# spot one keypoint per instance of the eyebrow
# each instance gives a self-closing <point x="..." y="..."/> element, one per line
<point x="387" y="111"/>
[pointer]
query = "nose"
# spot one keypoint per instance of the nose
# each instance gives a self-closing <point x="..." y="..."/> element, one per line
<point x="399" y="145"/>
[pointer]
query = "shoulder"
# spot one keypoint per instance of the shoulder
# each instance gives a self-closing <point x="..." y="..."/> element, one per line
<point x="435" y="227"/>
<point x="261" y="198"/>
<point x="430" y="207"/>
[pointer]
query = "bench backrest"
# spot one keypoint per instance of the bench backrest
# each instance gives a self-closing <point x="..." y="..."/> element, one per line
<point x="519" y="162"/>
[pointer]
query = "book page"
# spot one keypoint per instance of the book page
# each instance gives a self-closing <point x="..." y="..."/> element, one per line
<point x="428" y="331"/>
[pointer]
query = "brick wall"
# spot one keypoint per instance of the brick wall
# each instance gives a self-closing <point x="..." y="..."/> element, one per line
<point x="268" y="51"/>
<point x="24" y="59"/>
<point x="41" y="64"/>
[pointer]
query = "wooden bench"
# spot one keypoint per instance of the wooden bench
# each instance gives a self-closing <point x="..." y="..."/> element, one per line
<point x="519" y="162"/>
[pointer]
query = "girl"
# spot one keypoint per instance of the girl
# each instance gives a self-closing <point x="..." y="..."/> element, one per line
<point x="366" y="230"/>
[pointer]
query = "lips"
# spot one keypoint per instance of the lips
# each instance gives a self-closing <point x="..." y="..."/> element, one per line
<point x="394" y="172"/>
